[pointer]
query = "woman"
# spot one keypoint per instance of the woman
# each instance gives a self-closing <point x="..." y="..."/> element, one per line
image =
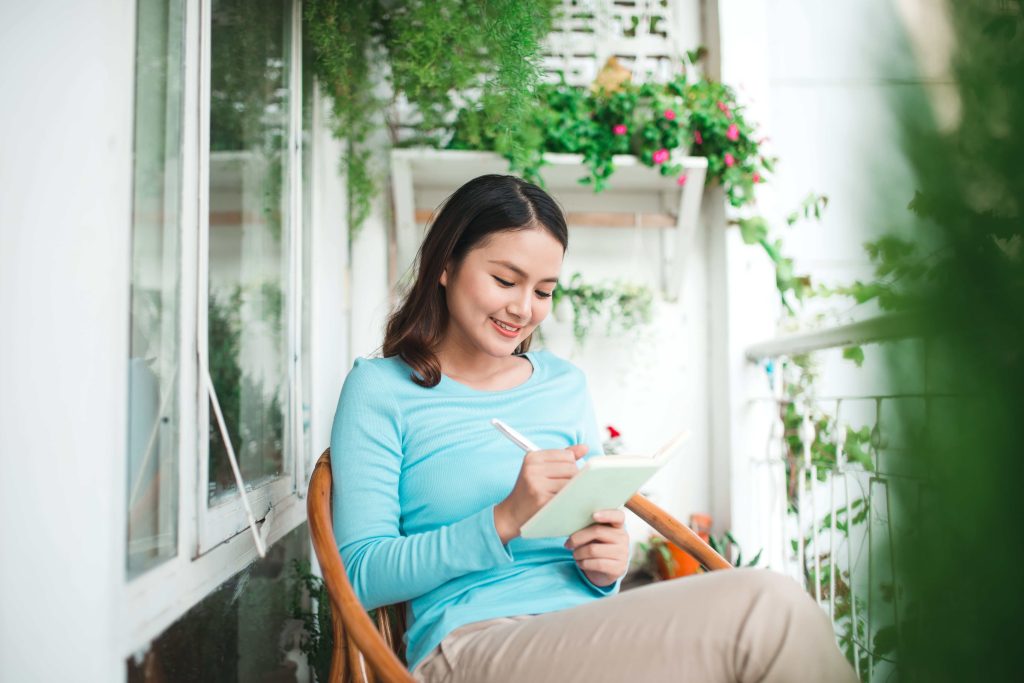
<point x="429" y="497"/>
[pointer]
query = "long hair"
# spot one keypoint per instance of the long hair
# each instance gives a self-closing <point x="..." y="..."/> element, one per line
<point x="468" y="218"/>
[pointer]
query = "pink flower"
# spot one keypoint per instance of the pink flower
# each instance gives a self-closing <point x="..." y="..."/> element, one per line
<point x="698" y="138"/>
<point x="756" y="177"/>
<point x="733" y="133"/>
<point x="661" y="156"/>
<point x="725" y="109"/>
<point x="620" y="129"/>
<point x="729" y="159"/>
<point x="670" y="115"/>
<point x="681" y="180"/>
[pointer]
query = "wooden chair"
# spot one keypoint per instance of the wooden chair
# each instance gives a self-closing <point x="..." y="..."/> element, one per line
<point x="364" y="649"/>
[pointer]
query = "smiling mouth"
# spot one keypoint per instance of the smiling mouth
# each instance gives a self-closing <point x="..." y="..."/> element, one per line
<point x="505" y="326"/>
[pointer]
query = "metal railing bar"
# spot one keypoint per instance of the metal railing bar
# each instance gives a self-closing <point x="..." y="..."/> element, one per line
<point x="863" y="397"/>
<point x="881" y="474"/>
<point x="886" y="327"/>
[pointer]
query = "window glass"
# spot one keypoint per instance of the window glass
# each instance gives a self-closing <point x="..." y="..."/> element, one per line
<point x="248" y="629"/>
<point x="153" y="346"/>
<point x="249" y="237"/>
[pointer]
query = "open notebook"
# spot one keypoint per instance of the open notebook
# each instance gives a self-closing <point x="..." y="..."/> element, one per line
<point x="605" y="482"/>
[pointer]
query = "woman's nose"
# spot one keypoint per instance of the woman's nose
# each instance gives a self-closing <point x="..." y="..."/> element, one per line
<point x="520" y="308"/>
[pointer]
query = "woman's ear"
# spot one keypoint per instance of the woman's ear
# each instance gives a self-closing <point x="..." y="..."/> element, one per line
<point x="444" y="277"/>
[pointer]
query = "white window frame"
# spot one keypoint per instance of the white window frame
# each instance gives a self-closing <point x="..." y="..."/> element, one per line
<point x="224" y="519"/>
<point x="159" y="596"/>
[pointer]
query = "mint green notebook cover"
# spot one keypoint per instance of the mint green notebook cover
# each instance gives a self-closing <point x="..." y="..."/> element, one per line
<point x="605" y="482"/>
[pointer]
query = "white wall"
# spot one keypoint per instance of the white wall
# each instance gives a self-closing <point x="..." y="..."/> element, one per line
<point x="65" y="179"/>
<point x="65" y="256"/>
<point x="651" y="382"/>
<point x="832" y="71"/>
<point x="820" y="78"/>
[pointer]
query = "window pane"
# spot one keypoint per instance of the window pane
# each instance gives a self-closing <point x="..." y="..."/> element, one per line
<point x="249" y="226"/>
<point x="248" y="629"/>
<point x="153" y="362"/>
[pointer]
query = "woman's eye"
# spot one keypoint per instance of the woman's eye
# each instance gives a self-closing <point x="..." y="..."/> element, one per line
<point x="544" y="295"/>
<point x="502" y="282"/>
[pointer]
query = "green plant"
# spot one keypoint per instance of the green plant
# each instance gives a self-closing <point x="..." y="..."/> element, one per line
<point x="646" y="555"/>
<point x="430" y="53"/>
<point x="310" y="604"/>
<point x="725" y="544"/>
<point x="649" y="554"/>
<point x="657" y="123"/>
<point x="622" y="306"/>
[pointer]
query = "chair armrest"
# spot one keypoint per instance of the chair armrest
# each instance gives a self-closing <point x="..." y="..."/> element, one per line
<point x="346" y="607"/>
<point x="677" y="533"/>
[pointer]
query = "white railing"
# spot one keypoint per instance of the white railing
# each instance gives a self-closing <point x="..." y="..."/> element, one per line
<point x="821" y="495"/>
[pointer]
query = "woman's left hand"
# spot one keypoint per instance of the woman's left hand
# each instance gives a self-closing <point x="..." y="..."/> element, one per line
<point x="602" y="549"/>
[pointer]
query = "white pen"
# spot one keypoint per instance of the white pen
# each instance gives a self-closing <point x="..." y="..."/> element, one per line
<point x="514" y="436"/>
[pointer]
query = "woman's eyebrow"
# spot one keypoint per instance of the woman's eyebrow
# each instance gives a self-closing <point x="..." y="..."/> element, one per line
<point x="518" y="271"/>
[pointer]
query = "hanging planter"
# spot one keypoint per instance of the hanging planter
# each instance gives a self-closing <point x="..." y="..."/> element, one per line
<point x="659" y="123"/>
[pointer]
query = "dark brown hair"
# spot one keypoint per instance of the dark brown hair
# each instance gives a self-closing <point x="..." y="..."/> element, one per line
<point x="467" y="219"/>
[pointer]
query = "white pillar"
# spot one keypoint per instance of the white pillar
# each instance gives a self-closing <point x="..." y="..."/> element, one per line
<point x="742" y="296"/>
<point x="67" y="70"/>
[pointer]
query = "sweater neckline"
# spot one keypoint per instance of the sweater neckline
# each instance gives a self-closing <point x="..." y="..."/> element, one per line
<point x="454" y="386"/>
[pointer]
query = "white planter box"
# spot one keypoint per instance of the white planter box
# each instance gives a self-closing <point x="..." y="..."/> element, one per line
<point x="636" y="196"/>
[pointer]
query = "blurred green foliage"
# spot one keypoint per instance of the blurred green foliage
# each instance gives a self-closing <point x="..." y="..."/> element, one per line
<point x="962" y="559"/>
<point x="252" y="411"/>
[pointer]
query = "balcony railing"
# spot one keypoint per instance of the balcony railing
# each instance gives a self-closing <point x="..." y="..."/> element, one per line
<point x="828" y="496"/>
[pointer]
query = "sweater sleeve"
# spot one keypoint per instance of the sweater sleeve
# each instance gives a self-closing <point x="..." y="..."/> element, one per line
<point x="383" y="565"/>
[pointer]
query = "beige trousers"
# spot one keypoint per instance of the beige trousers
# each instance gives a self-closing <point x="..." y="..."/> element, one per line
<point x="733" y="625"/>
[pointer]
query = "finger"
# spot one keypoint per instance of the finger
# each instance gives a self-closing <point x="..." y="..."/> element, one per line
<point x="552" y="471"/>
<point x="597" y="551"/>
<point x="594" y="532"/>
<point x="613" y="517"/>
<point x="565" y="470"/>
<point x="579" y="450"/>
<point x="606" y="537"/>
<point x="551" y="455"/>
<point x="597" y="533"/>
<point x="608" y="567"/>
<point x="609" y="532"/>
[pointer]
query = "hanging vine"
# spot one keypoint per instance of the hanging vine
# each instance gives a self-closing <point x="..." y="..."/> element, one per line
<point x="371" y="56"/>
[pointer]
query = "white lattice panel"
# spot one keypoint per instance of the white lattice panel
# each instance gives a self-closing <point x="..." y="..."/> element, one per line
<point x="642" y="34"/>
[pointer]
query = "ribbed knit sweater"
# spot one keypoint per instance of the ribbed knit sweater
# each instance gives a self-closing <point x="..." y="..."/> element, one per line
<point x="417" y="473"/>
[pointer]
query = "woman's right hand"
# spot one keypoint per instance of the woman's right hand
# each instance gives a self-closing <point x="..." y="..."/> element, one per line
<point x="542" y="475"/>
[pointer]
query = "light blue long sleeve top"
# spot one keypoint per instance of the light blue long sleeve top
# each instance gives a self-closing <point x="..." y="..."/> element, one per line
<point x="417" y="473"/>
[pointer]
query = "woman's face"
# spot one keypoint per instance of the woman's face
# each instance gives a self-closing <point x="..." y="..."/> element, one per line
<point x="508" y="280"/>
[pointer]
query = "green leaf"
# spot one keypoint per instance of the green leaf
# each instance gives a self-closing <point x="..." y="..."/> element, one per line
<point x="885" y="640"/>
<point x="854" y="447"/>
<point x="696" y="55"/>
<point x="854" y="353"/>
<point x="716" y="545"/>
<point x="753" y="230"/>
